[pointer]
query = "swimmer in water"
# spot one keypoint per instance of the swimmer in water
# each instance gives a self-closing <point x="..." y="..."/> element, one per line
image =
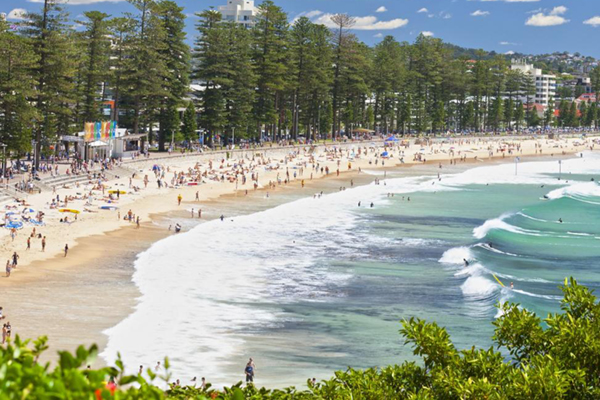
<point x="491" y="245"/>
<point x="560" y="220"/>
<point x="371" y="205"/>
<point x="359" y="203"/>
<point x="222" y="217"/>
<point x="512" y="286"/>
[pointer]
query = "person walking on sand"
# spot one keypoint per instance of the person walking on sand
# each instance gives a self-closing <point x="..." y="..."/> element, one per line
<point x="199" y="213"/>
<point x="29" y="243"/>
<point x="44" y="243"/>
<point x="8" y="268"/>
<point x="66" y="249"/>
<point x="137" y="222"/>
<point x="197" y="196"/>
<point x="15" y="259"/>
<point x="179" y="198"/>
<point x="250" y="370"/>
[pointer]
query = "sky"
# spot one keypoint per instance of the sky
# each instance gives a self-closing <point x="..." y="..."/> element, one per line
<point x="505" y="26"/>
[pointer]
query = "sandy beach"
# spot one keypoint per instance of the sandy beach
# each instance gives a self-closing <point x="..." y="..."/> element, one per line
<point x="73" y="299"/>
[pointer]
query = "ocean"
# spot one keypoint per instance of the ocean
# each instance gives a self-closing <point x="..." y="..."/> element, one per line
<point x="320" y="283"/>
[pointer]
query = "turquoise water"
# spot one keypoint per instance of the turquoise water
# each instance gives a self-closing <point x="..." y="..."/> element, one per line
<point x="320" y="284"/>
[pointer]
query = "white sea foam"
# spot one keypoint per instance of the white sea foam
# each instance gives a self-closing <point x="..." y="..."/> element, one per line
<point x="530" y="173"/>
<point x="579" y="234"/>
<point x="478" y="288"/>
<point x="457" y="255"/>
<point x="530" y="217"/>
<point x="587" y="189"/>
<point x="204" y="290"/>
<point x="495" y="250"/>
<point x="539" y="296"/>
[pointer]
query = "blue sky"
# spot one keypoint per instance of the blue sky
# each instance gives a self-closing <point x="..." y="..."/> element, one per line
<point x="526" y="26"/>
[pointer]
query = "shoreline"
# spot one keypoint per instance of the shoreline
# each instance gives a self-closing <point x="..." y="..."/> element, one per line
<point x="116" y="295"/>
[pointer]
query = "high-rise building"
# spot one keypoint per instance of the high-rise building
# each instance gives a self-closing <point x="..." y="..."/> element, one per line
<point x="240" y="11"/>
<point x="545" y="84"/>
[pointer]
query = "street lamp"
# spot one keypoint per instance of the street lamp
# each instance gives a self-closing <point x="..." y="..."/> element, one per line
<point x="3" y="159"/>
<point x="559" y="169"/>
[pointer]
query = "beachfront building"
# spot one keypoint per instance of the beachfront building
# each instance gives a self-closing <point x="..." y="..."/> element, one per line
<point x="545" y="84"/>
<point x="123" y="145"/>
<point x="240" y="11"/>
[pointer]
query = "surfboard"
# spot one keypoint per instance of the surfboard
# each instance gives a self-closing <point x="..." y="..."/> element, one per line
<point x="500" y="282"/>
<point x="117" y="191"/>
<point x="63" y="210"/>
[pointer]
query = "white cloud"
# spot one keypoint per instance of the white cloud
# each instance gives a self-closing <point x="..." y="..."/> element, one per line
<point x="510" y="1"/>
<point x="558" y="10"/>
<point x="381" y="9"/>
<point x="509" y="53"/>
<point x="367" y="23"/>
<point x="423" y="10"/>
<point x="480" y="13"/>
<point x="552" y="18"/>
<point x="79" y="2"/>
<point x="17" y="14"/>
<point x="307" y="14"/>
<point x="427" y="33"/>
<point x="378" y="35"/>
<point x="507" y="44"/>
<point x="594" y="21"/>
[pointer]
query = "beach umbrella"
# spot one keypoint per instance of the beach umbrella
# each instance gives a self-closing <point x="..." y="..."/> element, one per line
<point x="384" y="154"/>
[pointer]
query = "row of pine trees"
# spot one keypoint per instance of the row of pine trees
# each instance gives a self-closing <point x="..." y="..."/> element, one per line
<point x="275" y="79"/>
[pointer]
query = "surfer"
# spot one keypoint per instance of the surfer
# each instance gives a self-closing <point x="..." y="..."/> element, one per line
<point x="359" y="203"/>
<point x="466" y="262"/>
<point x="560" y="220"/>
<point x="491" y="245"/>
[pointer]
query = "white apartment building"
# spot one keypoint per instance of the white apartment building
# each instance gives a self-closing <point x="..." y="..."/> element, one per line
<point x="240" y="11"/>
<point x="545" y="85"/>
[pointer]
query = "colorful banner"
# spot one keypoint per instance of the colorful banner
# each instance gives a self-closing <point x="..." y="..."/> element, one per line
<point x="103" y="131"/>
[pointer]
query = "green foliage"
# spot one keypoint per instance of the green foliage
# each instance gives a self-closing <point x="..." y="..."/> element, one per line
<point x="17" y="82"/>
<point x="189" y="126"/>
<point x="95" y="65"/>
<point x="53" y="46"/>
